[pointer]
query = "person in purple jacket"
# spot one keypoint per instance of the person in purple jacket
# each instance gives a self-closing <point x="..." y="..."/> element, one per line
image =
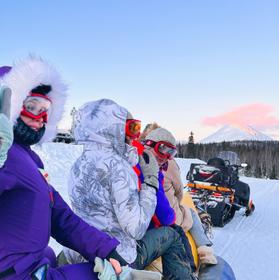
<point x="31" y="210"/>
<point x="164" y="214"/>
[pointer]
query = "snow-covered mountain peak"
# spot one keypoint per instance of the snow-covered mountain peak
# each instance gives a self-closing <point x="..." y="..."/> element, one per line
<point x="236" y="132"/>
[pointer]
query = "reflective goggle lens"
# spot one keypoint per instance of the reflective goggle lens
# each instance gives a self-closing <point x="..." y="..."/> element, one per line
<point x="133" y="128"/>
<point x="162" y="148"/>
<point x="37" y="105"/>
<point x="166" y="149"/>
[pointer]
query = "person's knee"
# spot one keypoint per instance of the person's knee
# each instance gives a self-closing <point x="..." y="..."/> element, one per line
<point x="173" y="234"/>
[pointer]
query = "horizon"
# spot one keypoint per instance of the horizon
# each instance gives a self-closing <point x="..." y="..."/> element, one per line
<point x="242" y="126"/>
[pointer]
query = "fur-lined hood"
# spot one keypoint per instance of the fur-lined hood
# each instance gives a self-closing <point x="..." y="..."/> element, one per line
<point x="28" y="74"/>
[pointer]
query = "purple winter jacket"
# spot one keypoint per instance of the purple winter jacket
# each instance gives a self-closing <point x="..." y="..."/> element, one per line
<point x="31" y="211"/>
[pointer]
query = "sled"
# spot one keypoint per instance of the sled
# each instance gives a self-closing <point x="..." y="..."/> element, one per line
<point x="221" y="271"/>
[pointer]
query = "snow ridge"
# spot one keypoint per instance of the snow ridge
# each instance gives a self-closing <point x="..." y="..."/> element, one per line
<point x="235" y="132"/>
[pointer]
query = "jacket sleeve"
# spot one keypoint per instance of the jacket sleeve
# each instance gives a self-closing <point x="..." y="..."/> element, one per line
<point x="71" y="231"/>
<point x="176" y="180"/>
<point x="134" y="209"/>
<point x="164" y="213"/>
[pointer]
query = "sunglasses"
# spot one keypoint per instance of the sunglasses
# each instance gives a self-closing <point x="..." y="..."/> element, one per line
<point x="132" y="128"/>
<point x="36" y="106"/>
<point x="163" y="149"/>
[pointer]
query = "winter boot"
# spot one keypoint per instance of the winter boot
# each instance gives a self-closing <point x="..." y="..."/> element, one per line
<point x="206" y="255"/>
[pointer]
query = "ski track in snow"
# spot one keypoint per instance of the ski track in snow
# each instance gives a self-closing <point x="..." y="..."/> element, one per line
<point x="249" y="244"/>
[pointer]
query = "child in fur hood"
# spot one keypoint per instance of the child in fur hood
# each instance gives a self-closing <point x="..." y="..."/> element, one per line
<point x="31" y="209"/>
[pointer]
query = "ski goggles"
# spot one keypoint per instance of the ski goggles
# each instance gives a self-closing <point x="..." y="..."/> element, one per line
<point x="36" y="106"/>
<point x="163" y="149"/>
<point x="132" y="128"/>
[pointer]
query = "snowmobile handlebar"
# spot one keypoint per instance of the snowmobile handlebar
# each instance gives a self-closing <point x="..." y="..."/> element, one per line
<point x="238" y="166"/>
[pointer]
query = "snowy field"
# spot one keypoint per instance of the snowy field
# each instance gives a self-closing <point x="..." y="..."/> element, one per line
<point x="249" y="244"/>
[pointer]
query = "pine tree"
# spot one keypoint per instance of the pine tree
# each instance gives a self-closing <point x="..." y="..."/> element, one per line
<point x="191" y="138"/>
<point x="191" y="146"/>
<point x="273" y="174"/>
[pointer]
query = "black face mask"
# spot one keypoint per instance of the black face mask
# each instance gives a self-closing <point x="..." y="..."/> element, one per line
<point x="24" y="134"/>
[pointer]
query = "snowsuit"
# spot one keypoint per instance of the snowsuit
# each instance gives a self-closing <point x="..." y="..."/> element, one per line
<point x="31" y="211"/>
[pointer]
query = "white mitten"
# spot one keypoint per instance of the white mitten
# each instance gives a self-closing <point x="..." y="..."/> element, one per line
<point x="106" y="272"/>
<point x="6" y="128"/>
<point x="144" y="274"/>
<point x="104" y="269"/>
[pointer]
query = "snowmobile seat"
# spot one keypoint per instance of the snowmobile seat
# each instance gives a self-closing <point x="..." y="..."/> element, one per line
<point x="222" y="270"/>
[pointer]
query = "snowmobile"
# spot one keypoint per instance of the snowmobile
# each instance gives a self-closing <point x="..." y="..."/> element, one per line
<point x="216" y="189"/>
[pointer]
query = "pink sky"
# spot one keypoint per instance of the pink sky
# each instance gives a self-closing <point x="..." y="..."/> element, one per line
<point x="258" y="115"/>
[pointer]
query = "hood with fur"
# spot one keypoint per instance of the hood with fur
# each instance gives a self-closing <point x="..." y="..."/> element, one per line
<point x="28" y="74"/>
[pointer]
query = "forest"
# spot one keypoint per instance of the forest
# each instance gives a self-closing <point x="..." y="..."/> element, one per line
<point x="262" y="157"/>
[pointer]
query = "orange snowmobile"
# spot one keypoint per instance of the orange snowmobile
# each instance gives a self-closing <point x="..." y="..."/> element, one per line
<point x="216" y="189"/>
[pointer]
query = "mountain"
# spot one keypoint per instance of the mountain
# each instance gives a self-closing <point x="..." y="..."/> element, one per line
<point x="236" y="133"/>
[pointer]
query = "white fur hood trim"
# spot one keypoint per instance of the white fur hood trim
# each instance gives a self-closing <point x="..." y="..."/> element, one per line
<point x="28" y="74"/>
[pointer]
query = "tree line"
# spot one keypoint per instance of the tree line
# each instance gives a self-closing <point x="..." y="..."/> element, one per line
<point x="262" y="157"/>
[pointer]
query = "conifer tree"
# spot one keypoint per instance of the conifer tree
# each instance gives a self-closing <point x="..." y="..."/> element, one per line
<point x="191" y="138"/>
<point x="191" y="146"/>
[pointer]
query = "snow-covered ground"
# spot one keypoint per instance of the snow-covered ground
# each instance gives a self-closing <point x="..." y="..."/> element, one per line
<point x="249" y="244"/>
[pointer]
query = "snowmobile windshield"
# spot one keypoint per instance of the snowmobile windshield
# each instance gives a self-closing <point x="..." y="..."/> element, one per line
<point x="230" y="156"/>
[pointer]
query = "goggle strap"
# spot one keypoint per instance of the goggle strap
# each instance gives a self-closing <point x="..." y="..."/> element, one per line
<point x="150" y="143"/>
<point x="40" y="95"/>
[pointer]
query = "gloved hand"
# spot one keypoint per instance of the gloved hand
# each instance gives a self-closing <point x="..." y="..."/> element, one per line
<point x="150" y="168"/>
<point x="133" y="274"/>
<point x="5" y="100"/>
<point x="6" y="128"/>
<point x="104" y="269"/>
<point x="106" y="272"/>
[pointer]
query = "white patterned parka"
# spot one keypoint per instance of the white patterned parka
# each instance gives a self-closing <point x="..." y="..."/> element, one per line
<point x="103" y="186"/>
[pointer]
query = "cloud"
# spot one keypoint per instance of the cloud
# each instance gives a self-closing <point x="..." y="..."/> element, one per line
<point x="258" y="115"/>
